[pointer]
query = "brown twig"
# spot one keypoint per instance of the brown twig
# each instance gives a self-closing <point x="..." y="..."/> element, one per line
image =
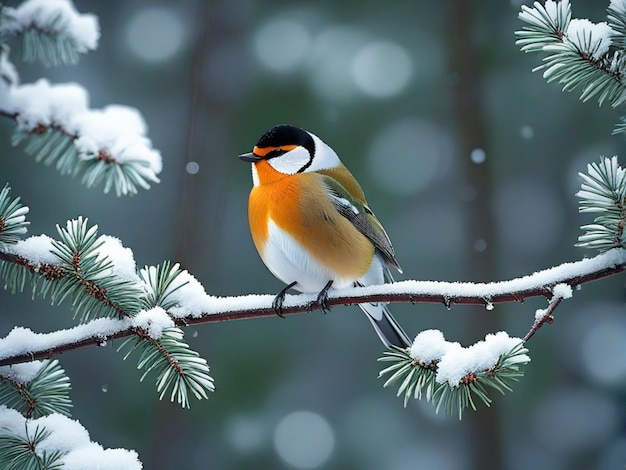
<point x="597" y="268"/>
<point x="546" y="317"/>
<point x="41" y="129"/>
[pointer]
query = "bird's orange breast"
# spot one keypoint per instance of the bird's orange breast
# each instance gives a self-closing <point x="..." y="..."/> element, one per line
<point x="299" y="205"/>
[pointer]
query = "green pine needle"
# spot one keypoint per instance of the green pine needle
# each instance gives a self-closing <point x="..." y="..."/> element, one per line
<point x="20" y="452"/>
<point x="598" y="76"/>
<point x="46" y="393"/>
<point x="161" y="282"/>
<point x="603" y="191"/>
<point x="418" y="380"/>
<point x="12" y="218"/>
<point x="179" y="370"/>
<point x="78" y="255"/>
<point x="49" y="43"/>
<point x="54" y="146"/>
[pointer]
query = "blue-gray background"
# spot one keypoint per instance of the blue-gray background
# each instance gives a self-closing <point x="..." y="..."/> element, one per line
<point x="404" y="92"/>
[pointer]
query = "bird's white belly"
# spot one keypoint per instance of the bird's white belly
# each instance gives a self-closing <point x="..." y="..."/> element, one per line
<point x="290" y="262"/>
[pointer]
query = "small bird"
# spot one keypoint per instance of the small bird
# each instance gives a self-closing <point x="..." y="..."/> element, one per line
<point x="312" y="226"/>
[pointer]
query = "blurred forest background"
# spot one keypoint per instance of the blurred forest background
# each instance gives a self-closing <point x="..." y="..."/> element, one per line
<point x="468" y="158"/>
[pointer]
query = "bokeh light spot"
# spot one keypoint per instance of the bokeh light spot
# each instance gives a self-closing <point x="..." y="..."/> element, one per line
<point x="527" y="132"/>
<point x="382" y="69"/>
<point x="192" y="168"/>
<point x="329" y="66"/>
<point x="281" y="44"/>
<point x="155" y="34"/>
<point x="478" y="156"/>
<point x="304" y="439"/>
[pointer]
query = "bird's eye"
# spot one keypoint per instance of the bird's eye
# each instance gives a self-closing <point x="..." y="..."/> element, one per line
<point x="275" y="153"/>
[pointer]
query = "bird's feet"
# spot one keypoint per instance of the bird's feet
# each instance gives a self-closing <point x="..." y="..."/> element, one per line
<point x="322" y="297"/>
<point x="277" y="303"/>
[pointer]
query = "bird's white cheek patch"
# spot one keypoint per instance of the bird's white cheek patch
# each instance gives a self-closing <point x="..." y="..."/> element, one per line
<point x="291" y="162"/>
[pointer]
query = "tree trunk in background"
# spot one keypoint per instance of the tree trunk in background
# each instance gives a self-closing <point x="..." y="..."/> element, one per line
<point x="468" y="114"/>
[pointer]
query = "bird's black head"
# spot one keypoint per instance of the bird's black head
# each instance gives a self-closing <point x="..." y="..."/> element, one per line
<point x="284" y="135"/>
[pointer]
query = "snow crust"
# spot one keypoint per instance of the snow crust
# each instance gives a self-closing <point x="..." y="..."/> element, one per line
<point x="454" y="361"/>
<point x="153" y="321"/>
<point x="121" y="257"/>
<point x="25" y="341"/>
<point x="591" y="38"/>
<point x="71" y="439"/>
<point x="191" y="298"/>
<point x="116" y="131"/>
<point x="23" y="373"/>
<point x="37" y="249"/>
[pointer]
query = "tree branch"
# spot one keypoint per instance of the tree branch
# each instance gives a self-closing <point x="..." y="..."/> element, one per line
<point x="541" y="283"/>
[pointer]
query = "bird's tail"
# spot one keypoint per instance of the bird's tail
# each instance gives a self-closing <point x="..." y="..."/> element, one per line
<point x="387" y="328"/>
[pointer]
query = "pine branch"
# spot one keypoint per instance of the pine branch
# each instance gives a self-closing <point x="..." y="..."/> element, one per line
<point x="52" y="442"/>
<point x="451" y="376"/>
<point x="603" y="191"/>
<point x="35" y="389"/>
<point x="538" y="284"/>
<point x="53" y="32"/>
<point x="12" y="218"/>
<point x="581" y="54"/>
<point x="178" y="368"/>
<point x="101" y="147"/>
<point x="20" y="452"/>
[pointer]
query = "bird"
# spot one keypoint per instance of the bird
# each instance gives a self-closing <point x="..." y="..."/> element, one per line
<point x="312" y="226"/>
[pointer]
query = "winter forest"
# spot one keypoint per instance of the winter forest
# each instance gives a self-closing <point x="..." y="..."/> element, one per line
<point x="139" y="326"/>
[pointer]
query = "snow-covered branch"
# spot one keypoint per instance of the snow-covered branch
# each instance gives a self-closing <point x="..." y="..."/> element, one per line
<point x="580" y="54"/>
<point x="54" y="122"/>
<point x="51" y="31"/>
<point x="201" y="308"/>
<point x="102" y="146"/>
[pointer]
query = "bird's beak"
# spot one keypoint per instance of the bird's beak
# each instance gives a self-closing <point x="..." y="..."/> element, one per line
<point x="250" y="157"/>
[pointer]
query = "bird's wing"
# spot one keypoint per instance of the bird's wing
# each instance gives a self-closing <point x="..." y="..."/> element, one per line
<point x="362" y="218"/>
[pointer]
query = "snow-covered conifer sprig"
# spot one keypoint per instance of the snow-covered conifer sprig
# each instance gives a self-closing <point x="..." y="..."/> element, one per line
<point x="161" y="281"/>
<point x="105" y="146"/>
<point x="449" y="375"/>
<point x="20" y="451"/>
<point x="581" y="54"/>
<point x="79" y="267"/>
<point x="13" y="222"/>
<point x="545" y="25"/>
<point x="50" y="31"/>
<point x="179" y="370"/>
<point x="603" y="191"/>
<point x="84" y="254"/>
<point x="35" y="389"/>
<point x="55" y="442"/>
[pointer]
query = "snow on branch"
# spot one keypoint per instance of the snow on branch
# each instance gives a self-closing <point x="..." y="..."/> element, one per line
<point x="99" y="275"/>
<point x="101" y="146"/>
<point x="199" y="308"/>
<point x="581" y="54"/>
<point x="21" y="387"/>
<point x="55" y="441"/>
<point x="450" y="375"/>
<point x="51" y="31"/>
